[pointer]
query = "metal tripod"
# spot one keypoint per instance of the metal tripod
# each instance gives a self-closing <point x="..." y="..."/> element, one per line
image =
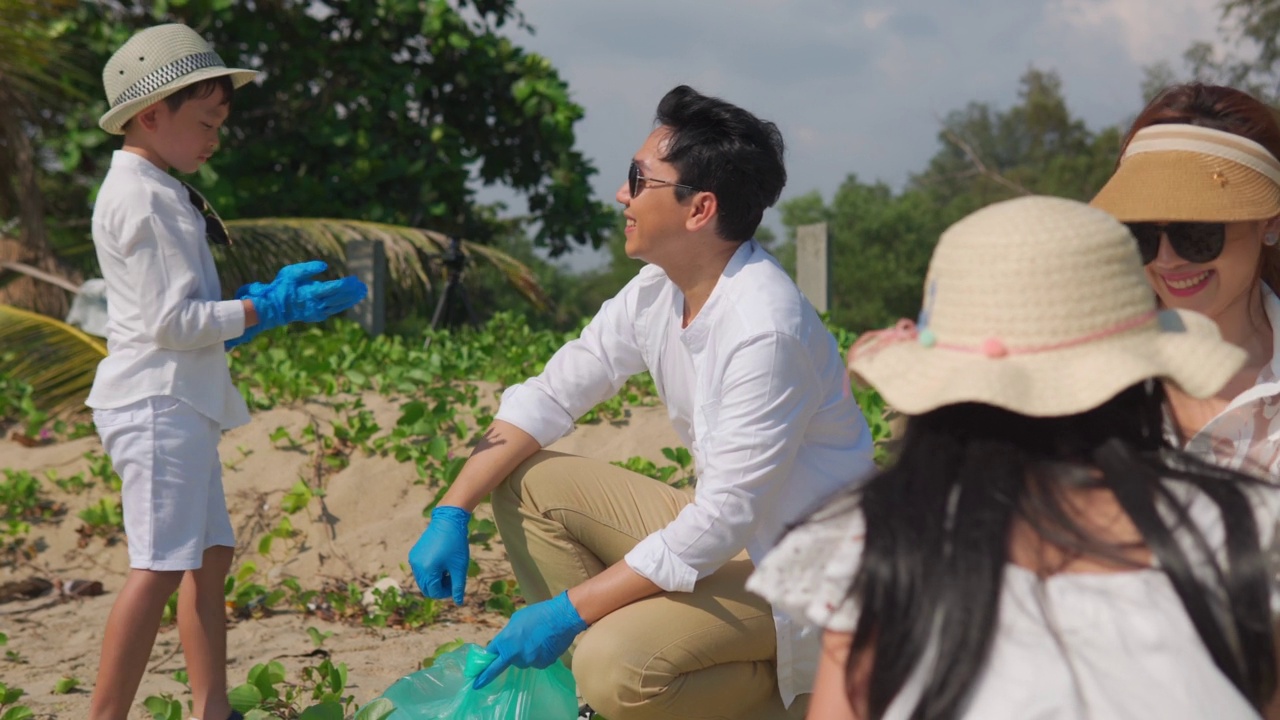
<point x="454" y="302"/>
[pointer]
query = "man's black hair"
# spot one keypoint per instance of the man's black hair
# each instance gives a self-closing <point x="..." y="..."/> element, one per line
<point x="722" y="149"/>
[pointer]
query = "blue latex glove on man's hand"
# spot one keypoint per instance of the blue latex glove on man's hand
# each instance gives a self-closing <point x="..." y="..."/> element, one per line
<point x="536" y="636"/>
<point x="294" y="296"/>
<point x="441" y="556"/>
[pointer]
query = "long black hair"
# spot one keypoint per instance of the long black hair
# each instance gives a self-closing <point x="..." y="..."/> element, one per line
<point x="938" y="527"/>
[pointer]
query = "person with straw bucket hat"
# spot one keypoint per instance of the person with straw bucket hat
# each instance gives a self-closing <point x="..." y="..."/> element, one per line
<point x="163" y="395"/>
<point x="1038" y="548"/>
<point x="1198" y="184"/>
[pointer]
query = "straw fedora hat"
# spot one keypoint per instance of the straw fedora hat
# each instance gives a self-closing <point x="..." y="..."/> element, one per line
<point x="1189" y="173"/>
<point x="155" y="63"/>
<point x="1039" y="305"/>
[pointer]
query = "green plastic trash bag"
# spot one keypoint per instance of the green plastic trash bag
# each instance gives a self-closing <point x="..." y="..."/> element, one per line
<point x="444" y="691"/>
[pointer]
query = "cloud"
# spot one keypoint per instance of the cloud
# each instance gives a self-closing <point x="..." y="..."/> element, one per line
<point x="1149" y="30"/>
<point x="856" y="87"/>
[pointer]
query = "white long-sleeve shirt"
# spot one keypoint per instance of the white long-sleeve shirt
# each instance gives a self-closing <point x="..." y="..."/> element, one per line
<point x="756" y="389"/>
<point x="166" y="321"/>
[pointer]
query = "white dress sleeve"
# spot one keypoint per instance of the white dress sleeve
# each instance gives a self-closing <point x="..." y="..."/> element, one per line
<point x="1266" y="508"/>
<point x="808" y="574"/>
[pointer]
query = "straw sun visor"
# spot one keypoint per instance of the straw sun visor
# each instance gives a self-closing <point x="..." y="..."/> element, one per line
<point x="1188" y="173"/>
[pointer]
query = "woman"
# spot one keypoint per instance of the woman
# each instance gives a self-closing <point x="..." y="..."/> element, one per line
<point x="1198" y="184"/>
<point x="1039" y="550"/>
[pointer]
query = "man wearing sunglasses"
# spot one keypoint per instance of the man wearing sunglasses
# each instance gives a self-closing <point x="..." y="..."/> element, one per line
<point x="649" y="579"/>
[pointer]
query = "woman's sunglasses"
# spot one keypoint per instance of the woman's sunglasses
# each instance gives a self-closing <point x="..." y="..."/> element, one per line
<point x="214" y="229"/>
<point x="1197" y="242"/>
<point x="637" y="182"/>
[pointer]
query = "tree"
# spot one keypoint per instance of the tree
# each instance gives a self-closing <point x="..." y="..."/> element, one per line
<point x="385" y="110"/>
<point x="880" y="249"/>
<point x="1249" y="51"/>
<point x="1036" y="146"/>
<point x="34" y="77"/>
<point x="882" y="241"/>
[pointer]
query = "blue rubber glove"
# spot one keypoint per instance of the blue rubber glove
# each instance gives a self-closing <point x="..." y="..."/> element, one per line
<point x="251" y="331"/>
<point x="295" y="297"/>
<point x="536" y="636"/>
<point x="441" y="556"/>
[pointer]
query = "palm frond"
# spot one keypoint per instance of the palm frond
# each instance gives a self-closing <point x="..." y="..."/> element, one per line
<point x="56" y="359"/>
<point x="11" y="270"/>
<point x="262" y="245"/>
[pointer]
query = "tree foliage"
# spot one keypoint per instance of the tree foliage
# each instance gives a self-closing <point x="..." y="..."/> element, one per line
<point x="382" y="110"/>
<point x="881" y="240"/>
<point x="35" y="81"/>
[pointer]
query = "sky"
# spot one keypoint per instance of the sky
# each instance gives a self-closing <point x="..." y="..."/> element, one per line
<point x="856" y="87"/>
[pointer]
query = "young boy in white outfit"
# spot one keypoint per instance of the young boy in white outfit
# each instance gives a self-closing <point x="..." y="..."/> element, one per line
<point x="163" y="394"/>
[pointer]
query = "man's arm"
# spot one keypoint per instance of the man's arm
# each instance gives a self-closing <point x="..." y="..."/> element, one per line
<point x="616" y="587"/>
<point x="769" y="393"/>
<point x="532" y="415"/>
<point x="502" y="449"/>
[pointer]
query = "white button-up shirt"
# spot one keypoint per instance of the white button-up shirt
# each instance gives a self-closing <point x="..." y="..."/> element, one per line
<point x="755" y="388"/>
<point x="166" y="321"/>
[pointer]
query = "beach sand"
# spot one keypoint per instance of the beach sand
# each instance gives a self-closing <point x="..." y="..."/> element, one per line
<point x="361" y="529"/>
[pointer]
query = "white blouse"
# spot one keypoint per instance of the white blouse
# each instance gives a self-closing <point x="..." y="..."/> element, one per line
<point x="1075" y="645"/>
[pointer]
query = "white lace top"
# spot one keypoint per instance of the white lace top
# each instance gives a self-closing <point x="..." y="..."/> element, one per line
<point x="1080" y="645"/>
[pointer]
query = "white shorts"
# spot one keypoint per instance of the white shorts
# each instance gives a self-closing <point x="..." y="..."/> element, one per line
<point x="167" y="455"/>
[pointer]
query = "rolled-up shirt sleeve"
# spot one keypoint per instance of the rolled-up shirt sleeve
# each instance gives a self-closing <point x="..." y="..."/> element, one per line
<point x="162" y="252"/>
<point x="582" y="373"/>
<point x="767" y="398"/>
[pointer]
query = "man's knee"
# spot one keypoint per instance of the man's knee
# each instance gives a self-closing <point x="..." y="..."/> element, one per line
<point x="608" y="675"/>
<point x="514" y="490"/>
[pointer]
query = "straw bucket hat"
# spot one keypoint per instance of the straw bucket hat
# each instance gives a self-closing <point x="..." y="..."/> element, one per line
<point x="155" y="63"/>
<point x="1039" y="305"/>
<point x="1188" y="173"/>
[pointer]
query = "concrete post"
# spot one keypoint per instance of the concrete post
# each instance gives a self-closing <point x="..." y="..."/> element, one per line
<point x="367" y="260"/>
<point x="813" y="264"/>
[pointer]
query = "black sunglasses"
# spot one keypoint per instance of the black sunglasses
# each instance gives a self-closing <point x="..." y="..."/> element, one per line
<point x="637" y="182"/>
<point x="214" y="229"/>
<point x="1197" y="242"/>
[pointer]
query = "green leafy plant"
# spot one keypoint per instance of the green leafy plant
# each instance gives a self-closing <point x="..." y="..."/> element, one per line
<point x="163" y="707"/>
<point x="504" y="597"/>
<point x="100" y="469"/>
<point x="248" y="599"/>
<point x="318" y="637"/>
<point x="103" y="519"/>
<point x="9" y="709"/>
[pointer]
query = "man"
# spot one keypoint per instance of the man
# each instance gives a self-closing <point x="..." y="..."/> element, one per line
<point x="755" y="387"/>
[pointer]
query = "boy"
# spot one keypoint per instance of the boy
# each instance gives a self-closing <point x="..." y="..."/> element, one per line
<point x="163" y="394"/>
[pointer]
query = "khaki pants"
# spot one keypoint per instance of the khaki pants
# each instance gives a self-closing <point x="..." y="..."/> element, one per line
<point x="708" y="654"/>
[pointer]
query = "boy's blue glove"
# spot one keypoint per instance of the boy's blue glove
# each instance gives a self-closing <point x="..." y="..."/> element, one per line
<point x="536" y="636"/>
<point x="251" y="331"/>
<point x="295" y="297"/>
<point x="441" y="556"/>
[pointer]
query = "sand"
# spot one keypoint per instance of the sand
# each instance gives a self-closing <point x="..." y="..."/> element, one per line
<point x="361" y="529"/>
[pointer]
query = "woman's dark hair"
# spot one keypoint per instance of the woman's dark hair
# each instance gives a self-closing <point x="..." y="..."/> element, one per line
<point x="1220" y="108"/>
<point x="939" y="521"/>
<point x="724" y="150"/>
